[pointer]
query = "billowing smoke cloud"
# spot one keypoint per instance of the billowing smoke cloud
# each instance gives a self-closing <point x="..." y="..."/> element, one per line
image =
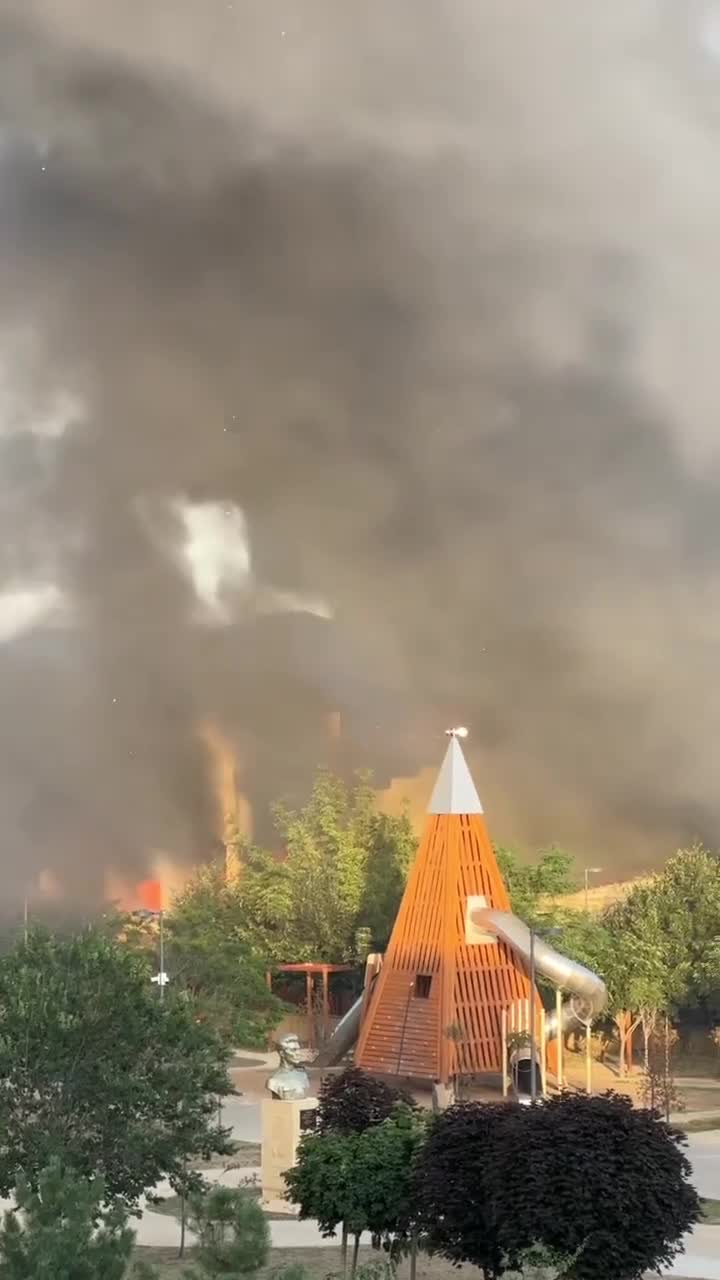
<point x="383" y="337"/>
<point x="27" y="607"/>
<point x="214" y="553"/>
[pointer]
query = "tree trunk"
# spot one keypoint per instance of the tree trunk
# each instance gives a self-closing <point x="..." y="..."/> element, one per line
<point x="344" y="1248"/>
<point x="356" y="1249"/>
<point x="621" y="1022"/>
<point x="413" y="1255"/>
<point x="648" y="1020"/>
<point x="629" y="1048"/>
<point x="183" y="1210"/>
<point x="666" y="1070"/>
<point x="183" y="1204"/>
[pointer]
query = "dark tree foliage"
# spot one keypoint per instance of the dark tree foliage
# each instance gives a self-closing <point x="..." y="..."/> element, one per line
<point x="99" y="1073"/>
<point x="602" y="1187"/>
<point x="353" y="1101"/>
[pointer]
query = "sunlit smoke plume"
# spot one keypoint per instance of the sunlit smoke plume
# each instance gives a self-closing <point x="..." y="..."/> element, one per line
<point x="24" y="607"/>
<point x="234" y="813"/>
<point x="214" y="553"/>
<point x="366" y="368"/>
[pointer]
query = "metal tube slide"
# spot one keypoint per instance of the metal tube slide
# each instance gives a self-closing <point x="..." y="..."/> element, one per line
<point x="343" y="1037"/>
<point x="587" y="991"/>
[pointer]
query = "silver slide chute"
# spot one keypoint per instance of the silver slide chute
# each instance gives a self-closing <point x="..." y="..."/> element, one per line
<point x="586" y="991"/>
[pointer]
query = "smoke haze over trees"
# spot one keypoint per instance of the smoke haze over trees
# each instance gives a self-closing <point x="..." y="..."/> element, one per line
<point x="359" y="359"/>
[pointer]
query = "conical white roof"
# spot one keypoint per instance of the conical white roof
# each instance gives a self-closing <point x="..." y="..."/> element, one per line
<point x="454" y="790"/>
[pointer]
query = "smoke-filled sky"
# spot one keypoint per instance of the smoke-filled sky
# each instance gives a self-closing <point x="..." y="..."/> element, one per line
<point x="359" y="357"/>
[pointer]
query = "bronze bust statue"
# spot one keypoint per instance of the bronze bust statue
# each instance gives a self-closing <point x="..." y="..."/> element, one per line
<point x="291" y="1080"/>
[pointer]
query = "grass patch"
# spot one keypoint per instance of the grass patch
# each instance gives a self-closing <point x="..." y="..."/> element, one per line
<point x="711" y="1210"/>
<point x="699" y="1126"/>
<point x="171" y="1206"/>
<point x="244" y="1155"/>
<point x="319" y="1263"/>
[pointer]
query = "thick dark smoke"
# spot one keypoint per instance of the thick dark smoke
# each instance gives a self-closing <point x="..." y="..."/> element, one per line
<point x="358" y="357"/>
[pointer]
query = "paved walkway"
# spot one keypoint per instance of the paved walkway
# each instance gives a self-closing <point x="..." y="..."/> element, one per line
<point x="703" y="1151"/>
<point x="701" y="1260"/>
<point x="681" y="1117"/>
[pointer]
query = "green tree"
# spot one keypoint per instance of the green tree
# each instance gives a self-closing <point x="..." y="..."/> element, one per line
<point x="322" y="1183"/>
<point x="63" y="1231"/>
<point x="599" y="1187"/>
<point x="638" y="967"/>
<point x="685" y="901"/>
<point x="346" y="865"/>
<point x="627" y="948"/>
<point x="529" y="883"/>
<point x="98" y="1072"/>
<point x="216" y="958"/>
<point x="266" y="905"/>
<point x="362" y="1181"/>
<point x="233" y="1235"/>
<point x="384" y="1176"/>
<point x="391" y="849"/>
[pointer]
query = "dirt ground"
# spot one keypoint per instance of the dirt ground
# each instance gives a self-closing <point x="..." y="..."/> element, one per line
<point x="319" y="1262"/>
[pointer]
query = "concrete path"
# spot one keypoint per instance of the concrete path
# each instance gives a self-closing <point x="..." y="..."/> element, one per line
<point x="703" y="1151"/>
<point x="243" y="1118"/>
<point x="679" y="1118"/>
<point x="701" y="1260"/>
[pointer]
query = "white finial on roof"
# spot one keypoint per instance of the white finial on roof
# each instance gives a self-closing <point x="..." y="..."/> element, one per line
<point x="455" y="790"/>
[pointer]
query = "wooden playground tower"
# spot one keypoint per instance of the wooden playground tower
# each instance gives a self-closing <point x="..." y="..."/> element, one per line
<point x="445" y="991"/>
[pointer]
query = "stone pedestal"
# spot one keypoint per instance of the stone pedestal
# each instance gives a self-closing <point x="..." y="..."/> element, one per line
<point x="284" y="1120"/>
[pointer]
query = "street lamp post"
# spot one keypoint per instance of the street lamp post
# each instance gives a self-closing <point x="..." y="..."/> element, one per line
<point x="548" y="932"/>
<point x="589" y="871"/>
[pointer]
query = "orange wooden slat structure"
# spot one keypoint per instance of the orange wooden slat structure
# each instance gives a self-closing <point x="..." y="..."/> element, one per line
<point x="436" y="1009"/>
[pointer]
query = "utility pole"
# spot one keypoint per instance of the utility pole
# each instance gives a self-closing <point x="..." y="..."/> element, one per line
<point x="162" y="956"/>
<point x="589" y="871"/>
<point x="533" y="1068"/>
<point x="548" y="931"/>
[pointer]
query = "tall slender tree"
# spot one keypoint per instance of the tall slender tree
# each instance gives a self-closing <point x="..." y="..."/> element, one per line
<point x="346" y="867"/>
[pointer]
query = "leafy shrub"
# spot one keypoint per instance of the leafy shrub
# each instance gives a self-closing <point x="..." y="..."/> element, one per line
<point x="232" y="1232"/>
<point x="354" y="1101"/>
<point x="594" y="1182"/>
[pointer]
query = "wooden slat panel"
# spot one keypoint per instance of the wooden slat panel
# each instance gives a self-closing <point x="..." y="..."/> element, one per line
<point x="471" y="985"/>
